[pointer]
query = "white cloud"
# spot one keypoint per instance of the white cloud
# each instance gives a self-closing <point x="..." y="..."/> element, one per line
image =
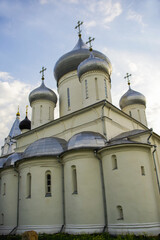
<point x="132" y="15"/>
<point x="5" y="76"/>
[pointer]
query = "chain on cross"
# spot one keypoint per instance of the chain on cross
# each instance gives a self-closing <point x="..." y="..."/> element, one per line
<point x="79" y="29"/>
<point x="127" y="76"/>
<point x="89" y="41"/>
<point x="42" y="71"/>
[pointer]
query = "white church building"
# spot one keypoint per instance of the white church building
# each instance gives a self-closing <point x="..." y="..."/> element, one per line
<point x="94" y="169"/>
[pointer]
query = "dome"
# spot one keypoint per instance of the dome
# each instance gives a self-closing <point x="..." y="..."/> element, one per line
<point x="132" y="97"/>
<point x="86" y="140"/>
<point x="15" y="128"/>
<point x="12" y="159"/>
<point x="25" y="124"/>
<point x="70" y="61"/>
<point x="45" y="147"/>
<point x="42" y="92"/>
<point x="93" y="63"/>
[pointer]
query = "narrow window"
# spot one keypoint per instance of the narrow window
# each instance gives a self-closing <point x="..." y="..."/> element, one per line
<point x="49" y="117"/>
<point x="120" y="213"/>
<point x="0" y="185"/>
<point x="74" y="180"/>
<point x="142" y="171"/>
<point x="33" y="115"/>
<point x="4" y="189"/>
<point x="28" y="194"/>
<point x="96" y="87"/>
<point x="130" y="114"/>
<point x="114" y="162"/>
<point x="105" y="87"/>
<point x="48" y="184"/>
<point x="68" y="99"/>
<point x="40" y="113"/>
<point x="86" y="89"/>
<point x="2" y="219"/>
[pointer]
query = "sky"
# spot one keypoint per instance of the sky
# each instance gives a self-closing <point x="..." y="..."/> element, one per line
<point x="36" y="33"/>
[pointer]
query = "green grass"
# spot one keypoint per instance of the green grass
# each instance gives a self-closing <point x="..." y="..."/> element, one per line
<point x="104" y="236"/>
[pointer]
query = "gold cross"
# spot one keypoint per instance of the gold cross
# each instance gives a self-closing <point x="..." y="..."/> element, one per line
<point x="42" y="71"/>
<point x="78" y="26"/>
<point x="89" y="41"/>
<point x="127" y="76"/>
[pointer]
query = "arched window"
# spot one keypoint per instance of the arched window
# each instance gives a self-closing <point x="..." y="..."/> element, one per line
<point x="142" y="171"/>
<point x="2" y="219"/>
<point x="114" y="162"/>
<point x="28" y="193"/>
<point x="68" y="99"/>
<point x="49" y="114"/>
<point x="40" y="113"/>
<point x="86" y="89"/>
<point x="74" y="180"/>
<point x="96" y="87"/>
<point x="120" y="213"/>
<point x="33" y="115"/>
<point x="4" y="189"/>
<point x="48" y="184"/>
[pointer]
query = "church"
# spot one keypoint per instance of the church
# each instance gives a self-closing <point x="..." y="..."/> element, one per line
<point x="96" y="168"/>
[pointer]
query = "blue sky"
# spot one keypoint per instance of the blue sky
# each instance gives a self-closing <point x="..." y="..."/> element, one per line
<point x="35" y="33"/>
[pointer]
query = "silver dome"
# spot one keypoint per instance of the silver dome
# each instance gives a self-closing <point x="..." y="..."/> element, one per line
<point x="42" y="92"/>
<point x="45" y="147"/>
<point x="132" y="97"/>
<point x="70" y="61"/>
<point x="86" y="140"/>
<point x="93" y="63"/>
<point x="12" y="159"/>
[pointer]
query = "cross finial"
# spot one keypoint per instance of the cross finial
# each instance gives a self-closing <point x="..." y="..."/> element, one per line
<point x="42" y="71"/>
<point x="26" y="110"/>
<point x="127" y="76"/>
<point x="89" y="41"/>
<point x="78" y="26"/>
<point x="18" y="114"/>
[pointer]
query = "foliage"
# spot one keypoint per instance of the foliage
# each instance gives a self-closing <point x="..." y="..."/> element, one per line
<point x="62" y="236"/>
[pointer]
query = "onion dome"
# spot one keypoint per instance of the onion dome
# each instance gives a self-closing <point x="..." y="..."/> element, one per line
<point x="50" y="146"/>
<point x="132" y="97"/>
<point x="25" y="124"/>
<point x="86" y="140"/>
<point x="92" y="64"/>
<point x="42" y="92"/>
<point x="70" y="61"/>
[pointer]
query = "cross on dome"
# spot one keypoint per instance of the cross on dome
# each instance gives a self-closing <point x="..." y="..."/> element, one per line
<point x="78" y="26"/>
<point x="127" y="76"/>
<point x="89" y="41"/>
<point x="42" y="71"/>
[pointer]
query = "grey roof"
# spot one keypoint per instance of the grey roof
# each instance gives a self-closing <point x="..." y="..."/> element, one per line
<point x="42" y="92"/>
<point x="70" y="61"/>
<point x="12" y="159"/>
<point x="86" y="140"/>
<point x="128" y="134"/>
<point x="2" y="161"/>
<point x="93" y="63"/>
<point x="45" y="147"/>
<point x="132" y="97"/>
<point x="121" y="141"/>
<point x="15" y="128"/>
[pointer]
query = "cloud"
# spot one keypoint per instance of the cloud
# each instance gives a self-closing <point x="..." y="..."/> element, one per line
<point x="132" y="15"/>
<point x="5" y="76"/>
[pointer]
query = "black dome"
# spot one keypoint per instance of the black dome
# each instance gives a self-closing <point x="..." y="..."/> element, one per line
<point x="25" y="124"/>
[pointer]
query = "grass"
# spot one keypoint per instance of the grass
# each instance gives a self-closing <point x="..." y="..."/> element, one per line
<point x="103" y="236"/>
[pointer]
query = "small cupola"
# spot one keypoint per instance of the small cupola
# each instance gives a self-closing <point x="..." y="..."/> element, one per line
<point x="43" y="101"/>
<point x="25" y="124"/>
<point x="134" y="104"/>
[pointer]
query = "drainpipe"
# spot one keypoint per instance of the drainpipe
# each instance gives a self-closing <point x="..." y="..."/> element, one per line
<point x="153" y="153"/>
<point x="103" y="122"/>
<point x="151" y="129"/>
<point x="103" y="192"/>
<point x="15" y="228"/>
<point x="63" y="196"/>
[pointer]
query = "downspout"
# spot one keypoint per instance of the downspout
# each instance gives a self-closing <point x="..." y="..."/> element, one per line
<point x="15" y="228"/>
<point x="103" y="192"/>
<point x="151" y="129"/>
<point x="63" y="195"/>
<point x="153" y="153"/>
<point x="103" y="122"/>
